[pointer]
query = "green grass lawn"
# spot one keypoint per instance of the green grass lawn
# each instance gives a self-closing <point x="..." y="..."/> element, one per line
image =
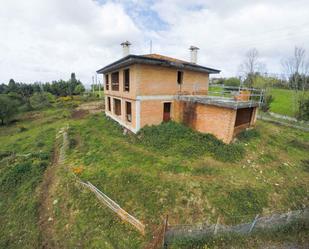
<point x="284" y="100"/>
<point x="165" y="170"/>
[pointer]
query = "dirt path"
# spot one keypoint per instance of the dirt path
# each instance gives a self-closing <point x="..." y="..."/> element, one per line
<point x="47" y="196"/>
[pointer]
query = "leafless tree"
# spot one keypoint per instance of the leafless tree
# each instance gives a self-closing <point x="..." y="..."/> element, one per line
<point x="296" y="69"/>
<point x="251" y="66"/>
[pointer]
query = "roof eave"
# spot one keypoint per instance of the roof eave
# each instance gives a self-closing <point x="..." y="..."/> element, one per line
<point x="131" y="59"/>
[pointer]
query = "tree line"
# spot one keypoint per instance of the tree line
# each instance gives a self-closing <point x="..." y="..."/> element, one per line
<point x="295" y="76"/>
<point x="18" y="97"/>
<point x="56" y="88"/>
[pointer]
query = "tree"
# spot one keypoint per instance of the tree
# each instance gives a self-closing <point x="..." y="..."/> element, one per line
<point x="8" y="108"/>
<point x="251" y="66"/>
<point x="233" y="81"/>
<point x="3" y="88"/>
<point x="79" y="89"/>
<point x="12" y="86"/>
<point x="296" y="68"/>
<point x="41" y="100"/>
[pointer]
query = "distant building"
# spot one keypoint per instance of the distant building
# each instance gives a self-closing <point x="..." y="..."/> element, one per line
<point x="149" y="89"/>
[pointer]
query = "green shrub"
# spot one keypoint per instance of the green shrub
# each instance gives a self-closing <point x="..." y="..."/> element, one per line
<point x="303" y="109"/>
<point x="229" y="152"/>
<point x="16" y="175"/>
<point x="233" y="81"/>
<point x="248" y="134"/>
<point x="8" y="108"/>
<point x="268" y="99"/>
<point x="41" y="100"/>
<point x="177" y="139"/>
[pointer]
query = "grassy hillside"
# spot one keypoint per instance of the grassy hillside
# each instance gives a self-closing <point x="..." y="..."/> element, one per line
<point x="165" y="170"/>
<point x="26" y="151"/>
<point x="284" y="101"/>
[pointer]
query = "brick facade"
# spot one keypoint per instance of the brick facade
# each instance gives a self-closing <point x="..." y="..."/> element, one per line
<point x="152" y="85"/>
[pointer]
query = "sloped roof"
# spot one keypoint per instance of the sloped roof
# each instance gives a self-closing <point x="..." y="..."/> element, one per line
<point x="163" y="57"/>
<point x="156" y="59"/>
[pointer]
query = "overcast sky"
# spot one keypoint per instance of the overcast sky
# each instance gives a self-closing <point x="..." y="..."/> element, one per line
<point x="44" y="40"/>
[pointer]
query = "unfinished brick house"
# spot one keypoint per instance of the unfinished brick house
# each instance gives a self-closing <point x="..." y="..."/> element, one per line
<point x="149" y="89"/>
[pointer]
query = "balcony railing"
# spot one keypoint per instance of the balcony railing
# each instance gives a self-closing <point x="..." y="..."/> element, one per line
<point x="235" y="97"/>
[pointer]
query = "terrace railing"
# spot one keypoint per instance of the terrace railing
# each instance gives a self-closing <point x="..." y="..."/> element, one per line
<point x="237" y="93"/>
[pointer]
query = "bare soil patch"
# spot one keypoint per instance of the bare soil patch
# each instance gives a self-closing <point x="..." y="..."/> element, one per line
<point x="92" y="107"/>
<point x="78" y="114"/>
<point x="84" y="109"/>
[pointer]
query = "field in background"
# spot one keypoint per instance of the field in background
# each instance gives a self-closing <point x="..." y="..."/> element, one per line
<point x="163" y="172"/>
<point x="284" y="101"/>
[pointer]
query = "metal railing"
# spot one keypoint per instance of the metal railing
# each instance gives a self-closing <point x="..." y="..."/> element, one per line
<point x="237" y="93"/>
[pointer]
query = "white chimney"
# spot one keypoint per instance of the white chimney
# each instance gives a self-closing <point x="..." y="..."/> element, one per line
<point x="193" y="54"/>
<point x="125" y="48"/>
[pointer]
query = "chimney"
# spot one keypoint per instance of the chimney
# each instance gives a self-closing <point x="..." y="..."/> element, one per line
<point x="193" y="54"/>
<point x="125" y="48"/>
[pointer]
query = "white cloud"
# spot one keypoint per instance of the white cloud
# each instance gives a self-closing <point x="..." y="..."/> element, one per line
<point x="46" y="40"/>
<point x="224" y="30"/>
<point x="43" y="40"/>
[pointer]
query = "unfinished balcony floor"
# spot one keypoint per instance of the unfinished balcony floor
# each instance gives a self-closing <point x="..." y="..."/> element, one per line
<point x="218" y="101"/>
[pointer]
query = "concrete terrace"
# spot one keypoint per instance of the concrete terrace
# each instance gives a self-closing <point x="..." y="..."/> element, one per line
<point x="218" y="101"/>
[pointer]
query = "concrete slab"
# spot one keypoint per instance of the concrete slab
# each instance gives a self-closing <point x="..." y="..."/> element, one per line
<point x="218" y="101"/>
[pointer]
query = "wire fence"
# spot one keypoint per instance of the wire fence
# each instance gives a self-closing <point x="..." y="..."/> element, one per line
<point x="125" y="216"/>
<point x="200" y="231"/>
<point x="166" y="233"/>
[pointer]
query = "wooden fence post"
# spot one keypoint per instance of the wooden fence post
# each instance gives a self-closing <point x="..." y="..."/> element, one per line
<point x="253" y="223"/>
<point x="164" y="245"/>
<point x="216" y="226"/>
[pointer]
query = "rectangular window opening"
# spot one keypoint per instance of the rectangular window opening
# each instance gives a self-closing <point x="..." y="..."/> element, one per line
<point x="109" y="108"/>
<point x="106" y="82"/>
<point x="128" y="111"/>
<point x="115" y="81"/>
<point x="179" y="77"/>
<point x="126" y="80"/>
<point x="117" y="107"/>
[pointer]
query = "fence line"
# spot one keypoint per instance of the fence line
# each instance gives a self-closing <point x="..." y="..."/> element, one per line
<point x="269" y="119"/>
<point x="99" y="194"/>
<point x="116" y="208"/>
<point x="199" y="231"/>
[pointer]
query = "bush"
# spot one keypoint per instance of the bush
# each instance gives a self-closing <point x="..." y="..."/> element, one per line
<point x="268" y="99"/>
<point x="248" y="134"/>
<point x="303" y="109"/>
<point x="173" y="138"/>
<point x="40" y="100"/>
<point x="233" y="81"/>
<point x="16" y="175"/>
<point x="8" y="108"/>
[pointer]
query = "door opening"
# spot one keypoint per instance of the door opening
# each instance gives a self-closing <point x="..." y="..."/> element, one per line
<point x="167" y="112"/>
